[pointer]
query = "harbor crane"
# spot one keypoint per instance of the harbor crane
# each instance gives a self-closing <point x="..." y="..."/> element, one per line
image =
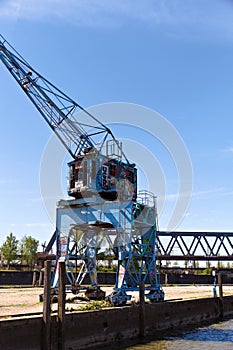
<point x="104" y="205"/>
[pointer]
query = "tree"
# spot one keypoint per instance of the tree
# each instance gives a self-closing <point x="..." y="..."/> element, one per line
<point x="9" y="249"/>
<point x="28" y="250"/>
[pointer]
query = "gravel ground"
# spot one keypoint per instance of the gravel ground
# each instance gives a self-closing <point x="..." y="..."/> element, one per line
<point x="21" y="301"/>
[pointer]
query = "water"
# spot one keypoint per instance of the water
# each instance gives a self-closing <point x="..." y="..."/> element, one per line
<point x="215" y="337"/>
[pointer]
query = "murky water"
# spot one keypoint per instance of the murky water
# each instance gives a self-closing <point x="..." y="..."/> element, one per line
<point x="215" y="337"/>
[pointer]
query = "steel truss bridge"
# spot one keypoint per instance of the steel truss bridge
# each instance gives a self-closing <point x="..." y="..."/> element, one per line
<point x="178" y="245"/>
<point x="194" y="246"/>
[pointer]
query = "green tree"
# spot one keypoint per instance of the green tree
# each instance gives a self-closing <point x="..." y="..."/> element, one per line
<point x="9" y="249"/>
<point x="28" y="250"/>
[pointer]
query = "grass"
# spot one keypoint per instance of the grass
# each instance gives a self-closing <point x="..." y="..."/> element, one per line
<point x="93" y="305"/>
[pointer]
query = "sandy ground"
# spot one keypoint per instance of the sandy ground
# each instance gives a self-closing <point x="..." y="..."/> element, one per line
<point x="21" y="301"/>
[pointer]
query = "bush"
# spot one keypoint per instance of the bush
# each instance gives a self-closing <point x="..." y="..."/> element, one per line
<point x="94" y="305"/>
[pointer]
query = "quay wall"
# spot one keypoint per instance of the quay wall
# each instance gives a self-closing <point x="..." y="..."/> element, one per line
<point x="88" y="329"/>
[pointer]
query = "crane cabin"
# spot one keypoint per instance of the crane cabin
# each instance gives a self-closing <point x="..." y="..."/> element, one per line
<point x="94" y="173"/>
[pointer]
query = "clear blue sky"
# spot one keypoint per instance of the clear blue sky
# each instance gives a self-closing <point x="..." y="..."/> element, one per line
<point x="172" y="56"/>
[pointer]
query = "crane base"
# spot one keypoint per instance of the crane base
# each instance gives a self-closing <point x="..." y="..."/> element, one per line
<point x="118" y="298"/>
<point x="155" y="295"/>
<point x="95" y="294"/>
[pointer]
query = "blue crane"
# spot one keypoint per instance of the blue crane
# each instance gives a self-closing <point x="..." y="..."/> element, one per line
<point x="105" y="206"/>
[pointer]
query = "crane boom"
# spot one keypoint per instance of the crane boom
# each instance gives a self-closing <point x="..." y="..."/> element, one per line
<point x="56" y="107"/>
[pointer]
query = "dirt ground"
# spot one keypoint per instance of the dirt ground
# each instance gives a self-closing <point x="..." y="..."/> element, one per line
<point x="22" y="301"/>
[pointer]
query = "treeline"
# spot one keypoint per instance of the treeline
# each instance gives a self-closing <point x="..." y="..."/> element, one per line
<point x="23" y="251"/>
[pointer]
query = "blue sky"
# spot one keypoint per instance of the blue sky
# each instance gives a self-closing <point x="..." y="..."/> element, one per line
<point x="171" y="56"/>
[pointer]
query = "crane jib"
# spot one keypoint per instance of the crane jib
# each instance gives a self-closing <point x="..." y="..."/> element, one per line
<point x="55" y="106"/>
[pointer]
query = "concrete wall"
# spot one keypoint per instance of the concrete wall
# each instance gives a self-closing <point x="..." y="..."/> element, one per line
<point x="169" y="316"/>
<point x="176" y="278"/>
<point x="21" y="334"/>
<point x="92" y="328"/>
<point x="25" y="278"/>
<point x="16" y="278"/>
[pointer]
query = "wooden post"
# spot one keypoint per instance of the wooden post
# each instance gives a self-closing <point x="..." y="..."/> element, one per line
<point x="142" y="309"/>
<point x="220" y="291"/>
<point x="41" y="278"/>
<point x="34" y="279"/>
<point x="61" y="306"/>
<point x="46" y="330"/>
